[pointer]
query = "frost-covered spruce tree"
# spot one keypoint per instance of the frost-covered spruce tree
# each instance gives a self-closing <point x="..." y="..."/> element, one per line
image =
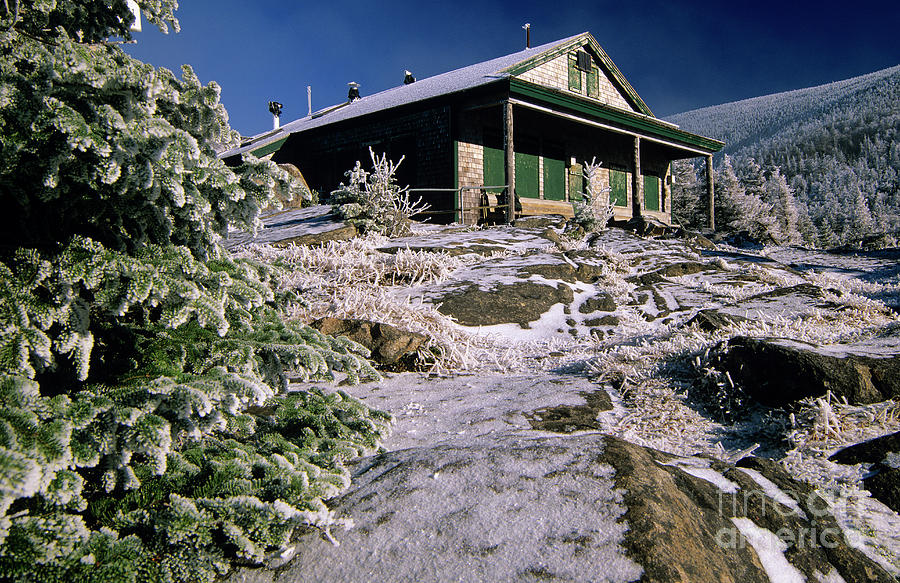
<point x="373" y="201"/>
<point x="144" y="430"/>
<point x="786" y="211"/>
<point x="595" y="208"/>
<point x="687" y="196"/>
<point x="740" y="211"/>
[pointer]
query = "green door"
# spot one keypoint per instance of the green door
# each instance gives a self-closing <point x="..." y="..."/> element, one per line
<point x="576" y="181"/>
<point x="554" y="173"/>
<point x="494" y="168"/>
<point x="618" y="183"/>
<point x="651" y="193"/>
<point x="527" y="179"/>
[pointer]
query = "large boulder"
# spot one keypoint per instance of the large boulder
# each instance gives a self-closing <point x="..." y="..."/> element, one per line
<point x="777" y="371"/>
<point x="389" y="345"/>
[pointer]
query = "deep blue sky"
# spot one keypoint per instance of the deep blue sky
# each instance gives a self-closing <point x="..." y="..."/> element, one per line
<point x="677" y="55"/>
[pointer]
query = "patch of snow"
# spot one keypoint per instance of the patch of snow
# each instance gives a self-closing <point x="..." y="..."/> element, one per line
<point x="699" y="468"/>
<point x="770" y="550"/>
<point x="868" y="525"/>
<point x="773" y="491"/>
<point x="831" y="577"/>
<point x="892" y="460"/>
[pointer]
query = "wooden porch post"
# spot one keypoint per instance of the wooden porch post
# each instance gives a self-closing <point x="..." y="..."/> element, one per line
<point x="710" y="192"/>
<point x="509" y="149"/>
<point x="637" y="181"/>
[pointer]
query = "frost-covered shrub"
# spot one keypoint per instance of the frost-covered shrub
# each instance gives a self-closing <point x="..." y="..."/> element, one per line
<point x="373" y="201"/>
<point x="594" y="210"/>
<point x="145" y="431"/>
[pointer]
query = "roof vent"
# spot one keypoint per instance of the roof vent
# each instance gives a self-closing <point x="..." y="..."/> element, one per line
<point x="527" y="28"/>
<point x="353" y="93"/>
<point x="275" y="110"/>
<point x="408" y="78"/>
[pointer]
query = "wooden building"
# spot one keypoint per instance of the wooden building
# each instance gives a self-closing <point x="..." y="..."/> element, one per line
<point x="525" y="123"/>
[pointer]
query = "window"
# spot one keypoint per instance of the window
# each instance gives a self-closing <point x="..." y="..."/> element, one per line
<point x="574" y="75"/>
<point x="584" y="61"/>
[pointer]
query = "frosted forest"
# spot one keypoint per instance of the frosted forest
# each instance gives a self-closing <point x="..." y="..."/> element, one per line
<point x="826" y="159"/>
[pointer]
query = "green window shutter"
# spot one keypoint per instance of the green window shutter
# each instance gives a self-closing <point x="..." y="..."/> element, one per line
<point x="593" y="82"/>
<point x="618" y="193"/>
<point x="576" y="181"/>
<point x="494" y="167"/>
<point x="527" y="179"/>
<point x="651" y="193"/>
<point x="574" y="74"/>
<point x="554" y="179"/>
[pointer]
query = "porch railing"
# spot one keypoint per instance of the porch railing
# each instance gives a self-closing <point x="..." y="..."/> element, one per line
<point x="461" y="212"/>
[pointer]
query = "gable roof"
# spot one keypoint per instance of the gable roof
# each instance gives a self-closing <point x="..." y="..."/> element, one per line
<point x="443" y="84"/>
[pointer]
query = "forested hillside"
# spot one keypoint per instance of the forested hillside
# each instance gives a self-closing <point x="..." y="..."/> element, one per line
<point x="836" y="146"/>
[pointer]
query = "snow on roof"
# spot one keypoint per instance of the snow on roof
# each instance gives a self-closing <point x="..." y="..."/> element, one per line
<point x="443" y="84"/>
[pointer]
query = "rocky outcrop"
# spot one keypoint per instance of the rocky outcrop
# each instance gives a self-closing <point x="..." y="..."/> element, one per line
<point x="519" y="302"/>
<point x="693" y="519"/>
<point x="573" y="508"/>
<point x="777" y="371"/>
<point x="389" y="345"/>
<point x="299" y="226"/>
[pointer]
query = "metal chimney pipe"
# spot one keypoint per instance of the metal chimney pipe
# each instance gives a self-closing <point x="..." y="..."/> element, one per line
<point x="527" y="28"/>
<point x="309" y="99"/>
<point x="275" y="110"/>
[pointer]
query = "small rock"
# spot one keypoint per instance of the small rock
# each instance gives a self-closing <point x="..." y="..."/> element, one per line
<point x="883" y="452"/>
<point x="541" y="221"/>
<point x="389" y="345"/>
<point x="550" y="235"/>
<point x="609" y="320"/>
<point x="712" y="320"/>
<point x="870" y="451"/>
<point x="646" y="227"/>
<point x="599" y="303"/>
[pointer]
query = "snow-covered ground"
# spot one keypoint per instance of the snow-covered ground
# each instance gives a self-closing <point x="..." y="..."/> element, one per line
<point x="485" y="379"/>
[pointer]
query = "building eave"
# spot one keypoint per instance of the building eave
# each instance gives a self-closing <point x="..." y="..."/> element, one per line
<point x="629" y="122"/>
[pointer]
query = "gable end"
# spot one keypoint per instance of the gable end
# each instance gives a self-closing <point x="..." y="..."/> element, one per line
<point x="548" y="67"/>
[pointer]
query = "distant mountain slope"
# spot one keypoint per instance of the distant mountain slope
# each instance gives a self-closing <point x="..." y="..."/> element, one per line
<point x="743" y="123"/>
<point x="837" y="144"/>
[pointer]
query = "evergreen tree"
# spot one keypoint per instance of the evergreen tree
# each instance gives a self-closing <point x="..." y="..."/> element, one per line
<point x="145" y="434"/>
<point x="859" y="222"/>
<point x="786" y="213"/>
<point x="739" y="211"/>
<point x="687" y="195"/>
